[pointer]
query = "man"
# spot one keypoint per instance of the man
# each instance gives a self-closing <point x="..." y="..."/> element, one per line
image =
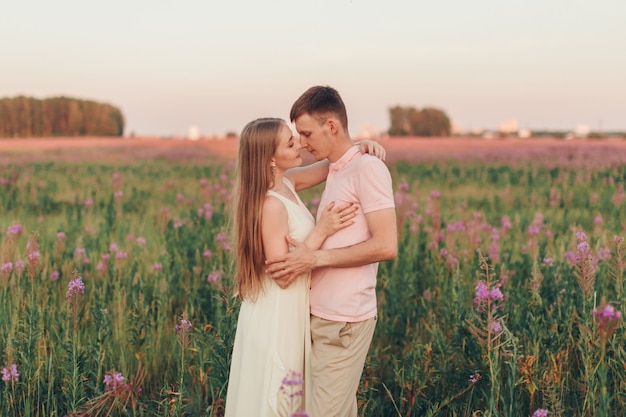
<point x="343" y="278"/>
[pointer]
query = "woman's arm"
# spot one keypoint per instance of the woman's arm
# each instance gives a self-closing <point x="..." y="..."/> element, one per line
<point x="308" y="176"/>
<point x="275" y="226"/>
<point x="311" y="175"/>
<point x="331" y="221"/>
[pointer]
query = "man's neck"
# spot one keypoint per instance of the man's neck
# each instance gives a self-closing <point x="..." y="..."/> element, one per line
<point x="340" y="149"/>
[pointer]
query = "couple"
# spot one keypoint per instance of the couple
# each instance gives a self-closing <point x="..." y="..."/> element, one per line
<point x="330" y="265"/>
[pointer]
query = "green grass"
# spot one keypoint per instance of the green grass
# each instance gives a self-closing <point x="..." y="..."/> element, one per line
<point x="551" y="353"/>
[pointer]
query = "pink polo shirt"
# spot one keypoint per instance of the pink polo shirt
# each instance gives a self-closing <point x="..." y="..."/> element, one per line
<point x="349" y="294"/>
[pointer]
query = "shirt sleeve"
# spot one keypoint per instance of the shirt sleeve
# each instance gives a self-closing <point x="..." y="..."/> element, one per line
<point x="374" y="185"/>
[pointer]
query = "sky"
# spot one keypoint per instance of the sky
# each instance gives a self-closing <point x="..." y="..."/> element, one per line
<point x="169" y="65"/>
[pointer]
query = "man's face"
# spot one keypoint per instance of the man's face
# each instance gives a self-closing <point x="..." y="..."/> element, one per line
<point x="314" y="137"/>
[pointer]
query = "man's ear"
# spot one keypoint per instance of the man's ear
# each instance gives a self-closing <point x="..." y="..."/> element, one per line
<point x="333" y="125"/>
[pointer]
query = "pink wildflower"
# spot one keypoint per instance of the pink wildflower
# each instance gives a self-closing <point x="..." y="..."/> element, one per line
<point x="75" y="287"/>
<point x="495" y="326"/>
<point x="14" y="229"/>
<point x="10" y="374"/>
<point x="214" y="276"/>
<point x="7" y="267"/>
<point x="184" y="325"/>
<point x="113" y="380"/>
<point x="606" y="313"/>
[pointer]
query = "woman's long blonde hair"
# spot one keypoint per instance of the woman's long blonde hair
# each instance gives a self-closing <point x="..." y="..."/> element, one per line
<point x="257" y="144"/>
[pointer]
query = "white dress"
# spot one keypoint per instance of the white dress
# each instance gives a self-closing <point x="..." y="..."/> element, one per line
<point x="273" y="338"/>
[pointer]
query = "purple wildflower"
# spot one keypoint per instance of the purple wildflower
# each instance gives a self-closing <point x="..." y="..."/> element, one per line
<point x="207" y="253"/>
<point x="214" y="276"/>
<point x="79" y="253"/>
<point x="540" y="412"/>
<point x="19" y="264"/>
<point x="184" y="325"/>
<point x="495" y="326"/>
<point x="495" y="294"/>
<point x="10" y="374"/>
<point x="54" y="275"/>
<point x="61" y="236"/>
<point x="482" y="292"/>
<point x="293" y="378"/>
<point x="606" y="313"/>
<point x="113" y="380"/>
<point x="157" y="267"/>
<point x="14" y="229"/>
<point x="75" y="287"/>
<point x="474" y="378"/>
<point x="141" y="241"/>
<point x="33" y="256"/>
<point x="604" y="253"/>
<point x="7" y="267"/>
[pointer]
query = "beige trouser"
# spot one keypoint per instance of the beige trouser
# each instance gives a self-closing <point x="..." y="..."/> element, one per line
<point x="338" y="352"/>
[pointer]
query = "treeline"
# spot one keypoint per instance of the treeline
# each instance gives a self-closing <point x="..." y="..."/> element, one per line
<point x="58" y="116"/>
<point x="410" y="121"/>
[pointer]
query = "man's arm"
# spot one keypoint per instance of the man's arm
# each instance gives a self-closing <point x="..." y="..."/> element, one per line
<point x="381" y="246"/>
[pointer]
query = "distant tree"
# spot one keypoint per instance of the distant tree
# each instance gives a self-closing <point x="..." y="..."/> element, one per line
<point x="409" y="121"/>
<point x="401" y="120"/>
<point x="58" y="116"/>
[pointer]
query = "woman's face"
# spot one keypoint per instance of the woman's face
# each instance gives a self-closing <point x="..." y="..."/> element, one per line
<point x="287" y="153"/>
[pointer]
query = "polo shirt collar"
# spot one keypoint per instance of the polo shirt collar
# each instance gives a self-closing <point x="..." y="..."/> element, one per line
<point x="345" y="158"/>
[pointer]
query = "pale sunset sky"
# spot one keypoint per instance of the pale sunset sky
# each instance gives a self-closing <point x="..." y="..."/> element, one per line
<point x="550" y="64"/>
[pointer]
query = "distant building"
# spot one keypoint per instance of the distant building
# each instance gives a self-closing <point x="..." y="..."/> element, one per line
<point x="524" y="133"/>
<point x="508" y="127"/>
<point x="369" y="132"/>
<point x="582" y="131"/>
<point x="193" y="133"/>
<point x="456" y="129"/>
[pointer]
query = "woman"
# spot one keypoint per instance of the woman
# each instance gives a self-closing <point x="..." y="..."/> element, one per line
<point x="273" y="337"/>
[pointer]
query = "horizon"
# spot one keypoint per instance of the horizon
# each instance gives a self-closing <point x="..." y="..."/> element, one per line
<point x="550" y="65"/>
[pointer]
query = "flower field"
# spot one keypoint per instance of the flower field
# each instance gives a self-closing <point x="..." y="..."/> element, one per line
<point x="506" y="298"/>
